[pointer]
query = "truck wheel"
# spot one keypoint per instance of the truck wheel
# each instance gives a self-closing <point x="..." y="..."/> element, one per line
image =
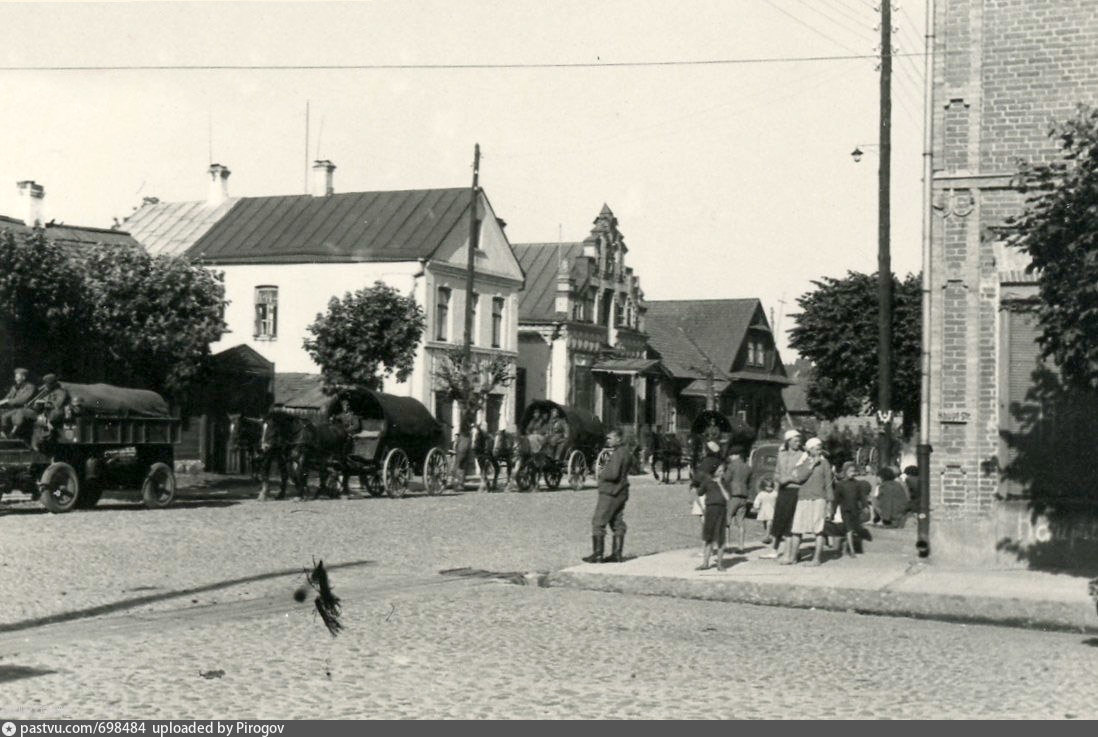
<point x="158" y="491"/>
<point x="59" y="489"/>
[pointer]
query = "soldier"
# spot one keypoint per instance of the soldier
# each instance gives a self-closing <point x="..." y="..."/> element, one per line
<point x="52" y="400"/>
<point x="20" y="394"/>
<point x="613" y="494"/>
<point x="347" y="418"/>
<point x="558" y="434"/>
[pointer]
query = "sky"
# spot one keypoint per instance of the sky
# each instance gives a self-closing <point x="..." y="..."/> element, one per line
<point x="728" y="180"/>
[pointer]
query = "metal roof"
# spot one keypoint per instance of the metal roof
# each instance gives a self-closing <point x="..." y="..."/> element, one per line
<point x="170" y="228"/>
<point x="356" y="226"/>
<point x="72" y="234"/>
<point x="541" y="264"/>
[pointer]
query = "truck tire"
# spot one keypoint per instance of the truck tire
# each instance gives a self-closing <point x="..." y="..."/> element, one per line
<point x="158" y="490"/>
<point x="59" y="488"/>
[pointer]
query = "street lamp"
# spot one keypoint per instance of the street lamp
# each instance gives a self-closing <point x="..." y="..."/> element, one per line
<point x="857" y="153"/>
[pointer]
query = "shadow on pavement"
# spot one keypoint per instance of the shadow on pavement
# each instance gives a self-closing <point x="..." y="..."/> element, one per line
<point x="138" y="601"/>
<point x="16" y="672"/>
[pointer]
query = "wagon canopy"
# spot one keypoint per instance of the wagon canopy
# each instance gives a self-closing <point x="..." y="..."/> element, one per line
<point x="732" y="430"/>
<point x="105" y="399"/>
<point x="585" y="431"/>
<point x="405" y="420"/>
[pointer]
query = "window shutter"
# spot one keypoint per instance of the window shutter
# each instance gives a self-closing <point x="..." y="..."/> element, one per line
<point x="1022" y="358"/>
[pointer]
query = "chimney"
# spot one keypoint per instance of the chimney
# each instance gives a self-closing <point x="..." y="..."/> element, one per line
<point x="219" y="185"/>
<point x="32" y="194"/>
<point x="322" y="178"/>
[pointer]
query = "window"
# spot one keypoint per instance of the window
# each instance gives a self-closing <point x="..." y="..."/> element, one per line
<point x="442" y="314"/>
<point x="756" y="353"/>
<point x="497" y="322"/>
<point x="473" y="330"/>
<point x="266" y="313"/>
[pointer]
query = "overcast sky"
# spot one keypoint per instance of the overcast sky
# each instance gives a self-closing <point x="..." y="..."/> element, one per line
<point x="727" y="180"/>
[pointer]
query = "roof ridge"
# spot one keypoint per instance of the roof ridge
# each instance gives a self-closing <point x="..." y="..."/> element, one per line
<point x="712" y="299"/>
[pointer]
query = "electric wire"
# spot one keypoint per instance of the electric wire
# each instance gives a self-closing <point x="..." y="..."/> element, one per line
<point x="844" y="25"/>
<point x="853" y="55"/>
<point x="809" y="26"/>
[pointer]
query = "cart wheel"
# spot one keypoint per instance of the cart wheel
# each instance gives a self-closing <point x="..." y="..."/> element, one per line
<point x="434" y="471"/>
<point x="90" y="493"/>
<point x="59" y="489"/>
<point x="602" y="459"/>
<point x="553" y="476"/>
<point x="396" y="473"/>
<point x="525" y="479"/>
<point x="577" y="469"/>
<point x="158" y="491"/>
<point x="371" y="484"/>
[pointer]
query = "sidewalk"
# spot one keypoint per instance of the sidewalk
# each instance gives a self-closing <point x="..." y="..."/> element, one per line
<point x="888" y="579"/>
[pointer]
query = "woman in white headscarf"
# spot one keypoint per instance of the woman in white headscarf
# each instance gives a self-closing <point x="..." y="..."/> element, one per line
<point x="790" y="471"/>
<point x="813" y="499"/>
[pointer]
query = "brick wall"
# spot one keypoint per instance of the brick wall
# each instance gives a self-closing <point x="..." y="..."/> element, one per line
<point x="1004" y="71"/>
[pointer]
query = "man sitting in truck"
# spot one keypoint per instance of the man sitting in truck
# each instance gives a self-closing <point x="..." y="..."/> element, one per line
<point x="20" y="394"/>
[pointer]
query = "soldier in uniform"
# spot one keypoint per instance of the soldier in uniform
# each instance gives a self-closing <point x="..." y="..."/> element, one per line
<point x="558" y="434"/>
<point x="18" y="397"/>
<point x="52" y="399"/>
<point x="348" y="419"/>
<point x="610" y="509"/>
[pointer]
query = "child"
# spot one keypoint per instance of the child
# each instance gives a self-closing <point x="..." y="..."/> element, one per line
<point x="715" y="520"/>
<point x="764" y="505"/>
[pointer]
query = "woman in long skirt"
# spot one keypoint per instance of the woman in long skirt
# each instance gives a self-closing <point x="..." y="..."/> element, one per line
<point x="790" y="472"/>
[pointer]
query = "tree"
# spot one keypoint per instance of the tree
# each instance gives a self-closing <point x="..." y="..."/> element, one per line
<point x="106" y="312"/>
<point x="156" y="315"/>
<point x="837" y="331"/>
<point x="366" y="336"/>
<point x="468" y="379"/>
<point x="1058" y="229"/>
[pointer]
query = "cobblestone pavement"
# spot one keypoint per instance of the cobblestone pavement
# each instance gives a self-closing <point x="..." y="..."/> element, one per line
<point x="421" y="644"/>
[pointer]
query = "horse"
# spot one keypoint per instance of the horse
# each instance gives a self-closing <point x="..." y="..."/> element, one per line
<point x="274" y="445"/>
<point x="302" y="445"/>
<point x="667" y="453"/>
<point x="495" y="452"/>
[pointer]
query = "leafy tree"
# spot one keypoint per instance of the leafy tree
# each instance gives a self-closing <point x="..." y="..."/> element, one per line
<point x="837" y="331"/>
<point x="1059" y="230"/>
<point x="106" y="312"/>
<point x="366" y="336"/>
<point x="156" y="315"/>
<point x="40" y="309"/>
<point x="468" y="379"/>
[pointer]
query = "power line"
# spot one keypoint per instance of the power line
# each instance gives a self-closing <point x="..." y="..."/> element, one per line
<point x="811" y="27"/>
<point x="841" y="24"/>
<point x="851" y="14"/>
<point x="853" y="55"/>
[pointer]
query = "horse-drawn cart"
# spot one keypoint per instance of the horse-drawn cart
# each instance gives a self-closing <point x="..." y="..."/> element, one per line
<point x="111" y="437"/>
<point x="581" y="453"/>
<point x="396" y="437"/>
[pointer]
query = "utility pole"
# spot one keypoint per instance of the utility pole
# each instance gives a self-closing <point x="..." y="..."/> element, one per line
<point x="474" y="235"/>
<point x="922" y="544"/>
<point x="884" y="259"/>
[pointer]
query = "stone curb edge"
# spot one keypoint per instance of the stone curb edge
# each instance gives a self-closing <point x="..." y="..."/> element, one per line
<point x="1007" y="612"/>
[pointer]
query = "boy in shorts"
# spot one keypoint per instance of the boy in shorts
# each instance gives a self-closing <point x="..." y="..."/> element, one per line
<point x="736" y="478"/>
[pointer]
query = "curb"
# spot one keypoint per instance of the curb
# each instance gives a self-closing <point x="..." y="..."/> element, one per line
<point x="1000" y="611"/>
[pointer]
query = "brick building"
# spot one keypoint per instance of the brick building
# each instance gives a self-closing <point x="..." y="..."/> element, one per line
<point x="1004" y="70"/>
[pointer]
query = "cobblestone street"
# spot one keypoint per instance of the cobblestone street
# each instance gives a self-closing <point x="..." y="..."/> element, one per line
<point x="177" y="638"/>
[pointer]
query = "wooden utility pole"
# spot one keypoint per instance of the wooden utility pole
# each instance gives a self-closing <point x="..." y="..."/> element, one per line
<point x="474" y="236"/>
<point x="884" y="258"/>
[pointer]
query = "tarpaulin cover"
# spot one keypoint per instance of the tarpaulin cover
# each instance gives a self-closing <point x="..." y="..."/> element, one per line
<point x="105" y="399"/>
